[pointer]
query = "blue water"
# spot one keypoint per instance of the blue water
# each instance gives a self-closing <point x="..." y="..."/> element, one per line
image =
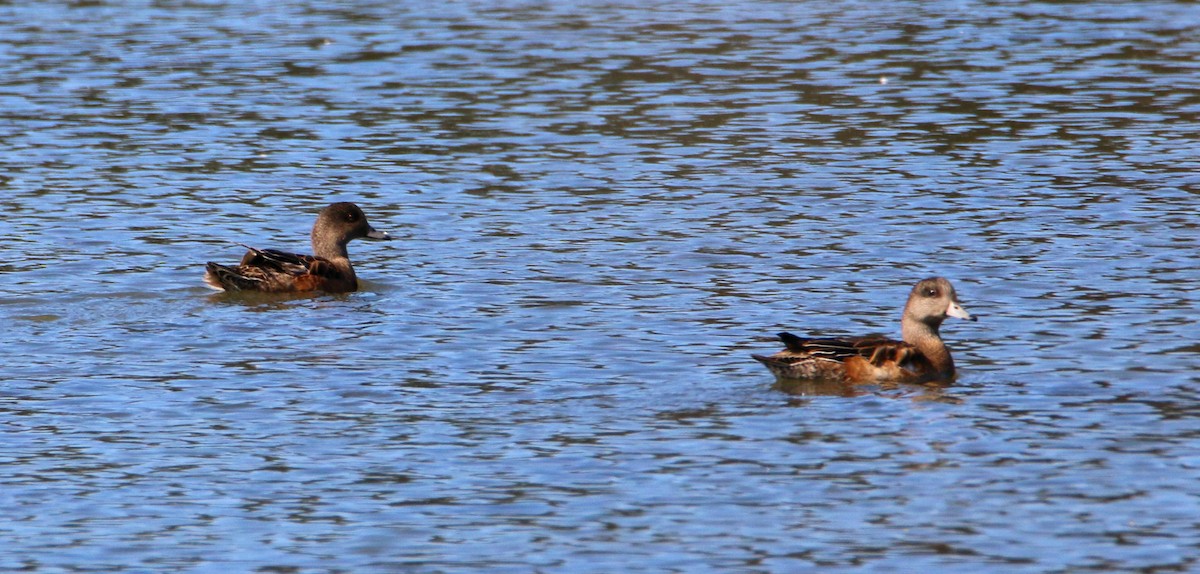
<point x="602" y="209"/>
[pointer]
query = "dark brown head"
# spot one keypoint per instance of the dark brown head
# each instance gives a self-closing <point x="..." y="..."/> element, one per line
<point x="932" y="300"/>
<point x="337" y="225"/>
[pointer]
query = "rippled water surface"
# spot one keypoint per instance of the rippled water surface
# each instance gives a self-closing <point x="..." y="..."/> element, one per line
<point x="602" y="210"/>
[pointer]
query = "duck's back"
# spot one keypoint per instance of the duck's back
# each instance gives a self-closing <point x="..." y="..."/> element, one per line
<point x="274" y="271"/>
<point x="873" y="357"/>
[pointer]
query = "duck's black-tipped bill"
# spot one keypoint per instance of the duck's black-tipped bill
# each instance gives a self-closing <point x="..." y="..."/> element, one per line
<point x="376" y="234"/>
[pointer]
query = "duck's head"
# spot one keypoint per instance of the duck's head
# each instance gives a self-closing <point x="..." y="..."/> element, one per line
<point x="932" y="300"/>
<point x="339" y="223"/>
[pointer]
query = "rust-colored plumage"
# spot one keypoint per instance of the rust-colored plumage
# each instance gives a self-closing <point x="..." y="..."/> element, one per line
<point x="920" y="357"/>
<point x="328" y="269"/>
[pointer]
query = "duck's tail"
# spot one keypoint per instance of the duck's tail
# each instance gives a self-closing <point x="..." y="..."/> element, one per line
<point x="222" y="278"/>
<point x="764" y="359"/>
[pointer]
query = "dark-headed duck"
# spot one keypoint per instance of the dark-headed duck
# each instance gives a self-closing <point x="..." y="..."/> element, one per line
<point x="328" y="269"/>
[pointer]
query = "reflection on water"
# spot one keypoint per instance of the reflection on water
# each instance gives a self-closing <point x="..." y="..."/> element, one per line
<point x="817" y="388"/>
<point x="601" y="210"/>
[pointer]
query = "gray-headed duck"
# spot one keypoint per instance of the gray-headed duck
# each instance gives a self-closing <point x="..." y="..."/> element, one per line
<point x="920" y="357"/>
<point x="328" y="269"/>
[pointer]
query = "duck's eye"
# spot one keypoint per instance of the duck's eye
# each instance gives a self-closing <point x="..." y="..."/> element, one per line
<point x="931" y="292"/>
<point x="351" y="217"/>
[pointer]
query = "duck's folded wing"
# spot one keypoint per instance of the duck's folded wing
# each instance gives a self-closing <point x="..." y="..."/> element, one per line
<point x="310" y="272"/>
<point x="880" y="350"/>
<point x="876" y="349"/>
<point x="832" y="349"/>
<point x="282" y="261"/>
<point x="905" y="360"/>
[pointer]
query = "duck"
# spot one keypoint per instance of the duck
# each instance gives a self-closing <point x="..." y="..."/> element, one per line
<point x="328" y="269"/>
<point x="921" y="357"/>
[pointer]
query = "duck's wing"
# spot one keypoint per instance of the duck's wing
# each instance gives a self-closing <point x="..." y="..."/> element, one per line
<point x="311" y="273"/>
<point x="274" y="270"/>
<point x="812" y="358"/>
<point x="877" y="349"/>
<point x="881" y="351"/>
<point x="293" y="263"/>
<point x="278" y="261"/>
<point x="831" y="349"/>
<point x="859" y="359"/>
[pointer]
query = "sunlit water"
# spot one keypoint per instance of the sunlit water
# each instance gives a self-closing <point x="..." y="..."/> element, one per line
<point x="602" y="210"/>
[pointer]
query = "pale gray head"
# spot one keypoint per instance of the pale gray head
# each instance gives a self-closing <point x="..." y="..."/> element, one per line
<point x="931" y="301"/>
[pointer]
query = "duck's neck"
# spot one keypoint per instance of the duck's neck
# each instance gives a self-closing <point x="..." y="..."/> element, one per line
<point x="334" y="251"/>
<point x="925" y="338"/>
<point x="327" y="246"/>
